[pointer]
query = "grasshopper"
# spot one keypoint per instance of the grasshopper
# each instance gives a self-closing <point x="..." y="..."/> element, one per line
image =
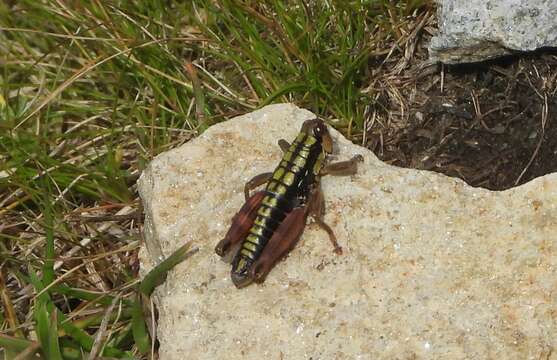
<point x="271" y="221"/>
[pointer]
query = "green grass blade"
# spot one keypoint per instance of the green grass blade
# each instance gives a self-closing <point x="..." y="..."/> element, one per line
<point x="123" y="338"/>
<point x="46" y="329"/>
<point x="37" y="283"/>
<point x="139" y="329"/>
<point x="14" y="344"/>
<point x="158" y="274"/>
<point x="93" y="297"/>
<point x="84" y="340"/>
<point x="53" y="344"/>
<point x="48" y="267"/>
<point x="81" y="337"/>
<point x="288" y="89"/>
<point x="154" y="278"/>
<point x="95" y="320"/>
<point x="199" y="96"/>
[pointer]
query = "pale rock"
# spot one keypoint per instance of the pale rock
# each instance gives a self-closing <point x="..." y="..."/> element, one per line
<point x="432" y="268"/>
<point x="476" y="30"/>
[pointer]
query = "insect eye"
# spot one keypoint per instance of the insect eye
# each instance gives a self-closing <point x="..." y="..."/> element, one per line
<point x="317" y="131"/>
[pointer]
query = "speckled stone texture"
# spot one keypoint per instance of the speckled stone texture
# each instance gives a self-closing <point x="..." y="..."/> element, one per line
<point x="432" y="268"/>
<point x="476" y="30"/>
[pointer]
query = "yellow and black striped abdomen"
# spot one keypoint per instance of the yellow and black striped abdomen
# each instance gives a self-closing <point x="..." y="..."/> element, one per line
<point x="287" y="188"/>
<point x="271" y="213"/>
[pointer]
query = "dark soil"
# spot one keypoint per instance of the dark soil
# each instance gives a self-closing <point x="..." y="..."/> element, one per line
<point x="492" y="124"/>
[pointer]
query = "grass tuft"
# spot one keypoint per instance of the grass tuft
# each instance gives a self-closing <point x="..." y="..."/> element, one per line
<point x="91" y="91"/>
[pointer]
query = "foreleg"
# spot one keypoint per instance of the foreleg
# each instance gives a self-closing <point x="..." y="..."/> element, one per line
<point x="343" y="168"/>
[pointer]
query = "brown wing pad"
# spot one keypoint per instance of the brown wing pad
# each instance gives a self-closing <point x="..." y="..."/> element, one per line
<point x="241" y="223"/>
<point x="281" y="243"/>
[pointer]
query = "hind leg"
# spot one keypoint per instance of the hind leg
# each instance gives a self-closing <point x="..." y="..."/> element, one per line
<point x="256" y="181"/>
<point x="316" y="206"/>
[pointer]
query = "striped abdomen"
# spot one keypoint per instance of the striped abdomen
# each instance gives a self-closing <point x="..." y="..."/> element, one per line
<point x="288" y="187"/>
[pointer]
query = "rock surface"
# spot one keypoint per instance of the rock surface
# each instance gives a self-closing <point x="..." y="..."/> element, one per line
<point x="476" y="30"/>
<point x="432" y="268"/>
